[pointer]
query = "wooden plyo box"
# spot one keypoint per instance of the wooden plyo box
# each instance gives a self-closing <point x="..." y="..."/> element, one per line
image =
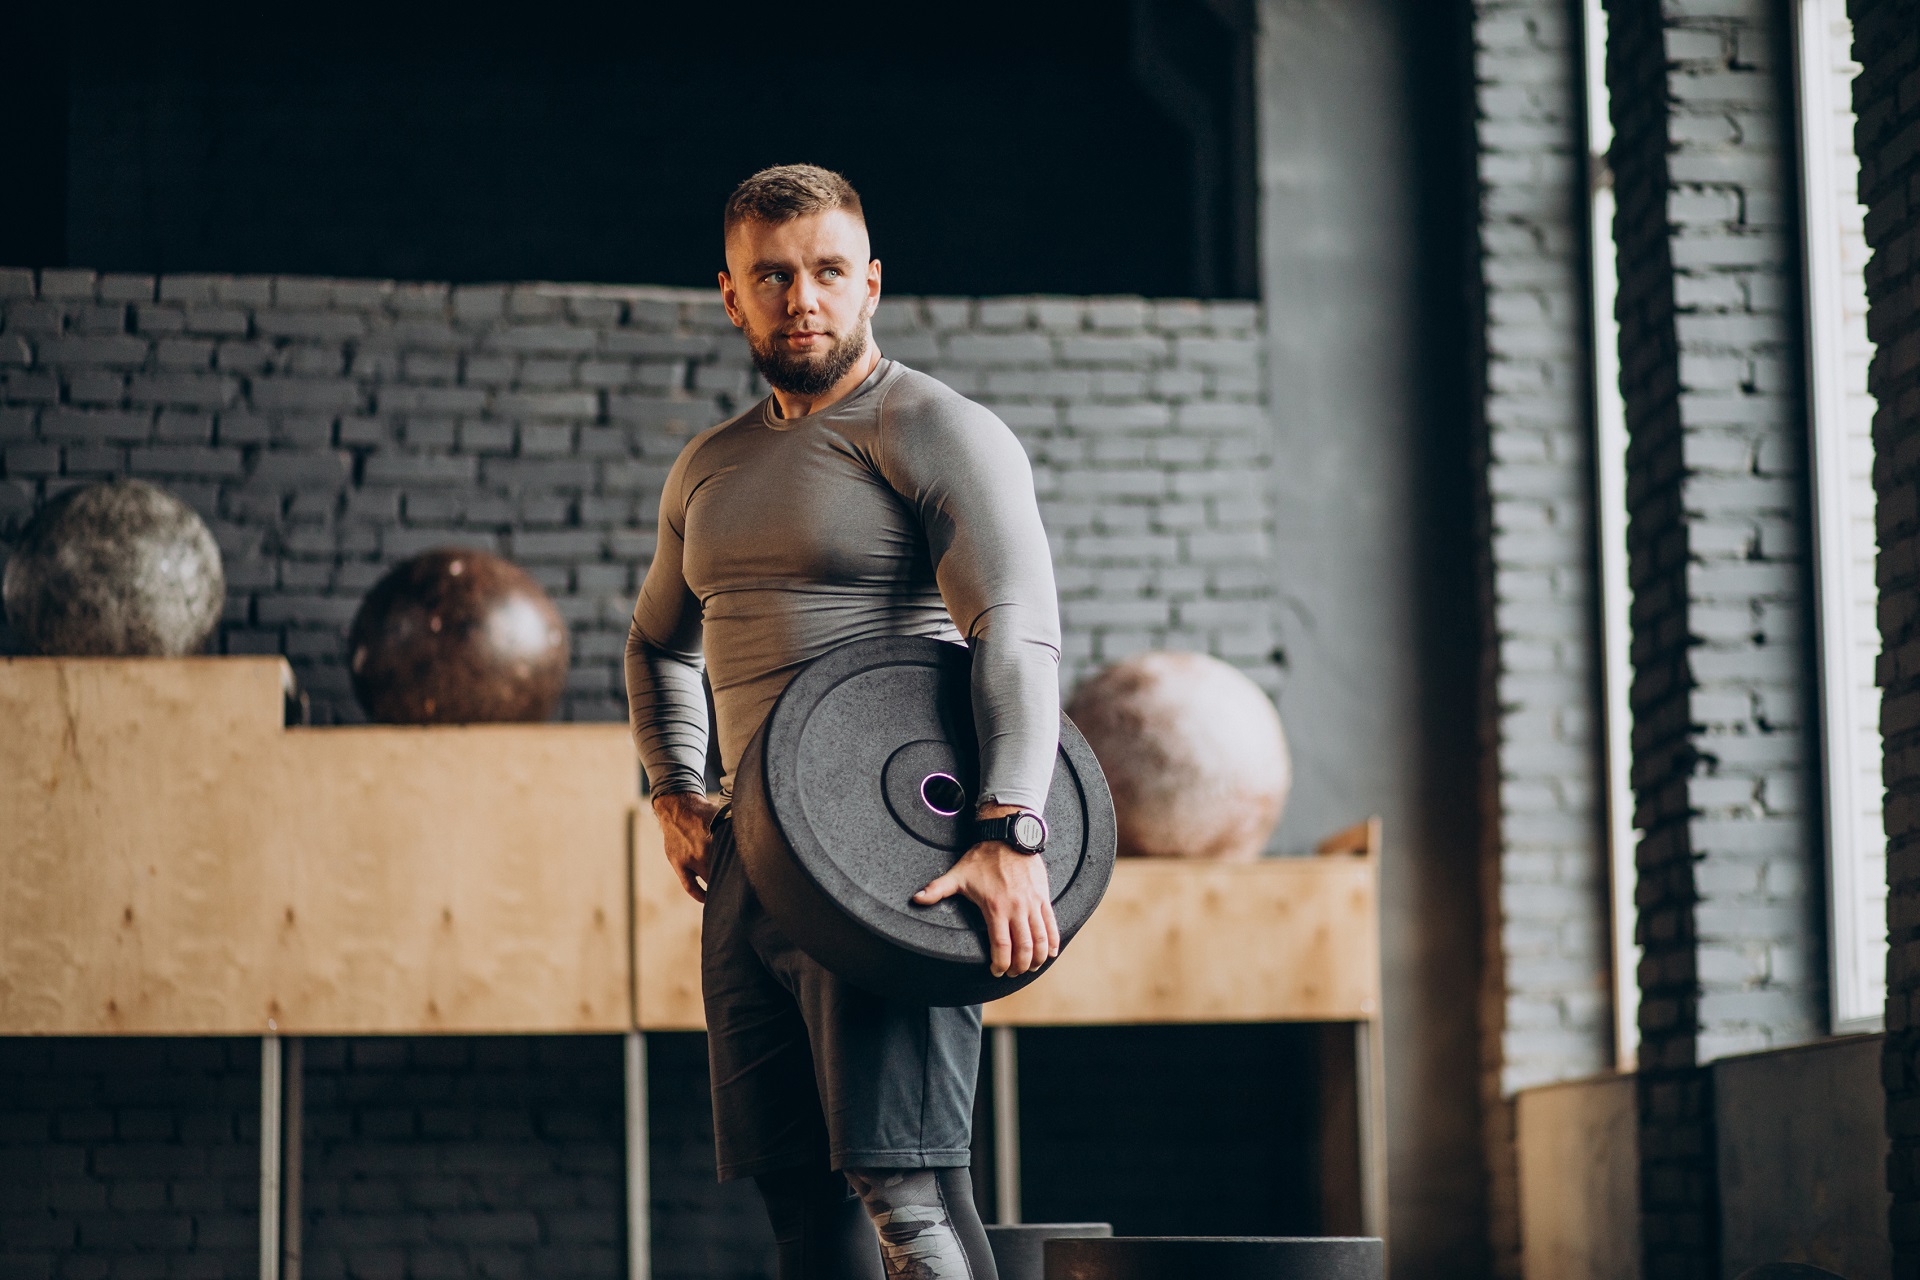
<point x="1280" y="940"/>
<point x="175" y="861"/>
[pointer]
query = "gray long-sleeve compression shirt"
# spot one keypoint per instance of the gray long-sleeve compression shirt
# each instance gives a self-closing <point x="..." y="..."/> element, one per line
<point x="904" y="509"/>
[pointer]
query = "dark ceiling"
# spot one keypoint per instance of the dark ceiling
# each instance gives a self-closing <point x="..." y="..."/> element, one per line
<point x="1000" y="147"/>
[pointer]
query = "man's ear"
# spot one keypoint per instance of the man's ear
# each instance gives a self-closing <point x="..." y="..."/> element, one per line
<point x="728" y="300"/>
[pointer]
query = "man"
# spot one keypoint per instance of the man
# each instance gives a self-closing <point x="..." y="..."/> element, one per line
<point x="859" y="499"/>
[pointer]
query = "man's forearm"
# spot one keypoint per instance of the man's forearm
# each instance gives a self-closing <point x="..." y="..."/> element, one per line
<point x="667" y="713"/>
<point x="1016" y="705"/>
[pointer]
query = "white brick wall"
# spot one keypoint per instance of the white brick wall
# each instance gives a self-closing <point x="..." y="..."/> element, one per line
<point x="1546" y="1014"/>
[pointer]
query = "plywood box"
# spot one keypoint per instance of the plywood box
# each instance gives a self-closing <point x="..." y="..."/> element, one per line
<point x="174" y="861"/>
<point x="1280" y="940"/>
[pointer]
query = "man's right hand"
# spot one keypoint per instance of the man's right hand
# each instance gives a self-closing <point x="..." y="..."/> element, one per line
<point x="686" y="819"/>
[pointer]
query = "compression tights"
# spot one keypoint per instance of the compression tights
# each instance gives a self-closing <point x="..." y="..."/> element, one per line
<point x="924" y="1219"/>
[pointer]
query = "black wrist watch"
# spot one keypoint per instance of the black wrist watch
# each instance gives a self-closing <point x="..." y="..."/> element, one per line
<point x="1024" y="829"/>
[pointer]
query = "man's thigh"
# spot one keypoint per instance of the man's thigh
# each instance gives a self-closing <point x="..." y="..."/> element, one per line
<point x="766" y="1110"/>
<point x="895" y="1081"/>
<point x="807" y="1067"/>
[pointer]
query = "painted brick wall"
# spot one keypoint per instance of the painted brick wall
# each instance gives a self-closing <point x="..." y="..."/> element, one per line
<point x="1545" y="1000"/>
<point x="1886" y="42"/>
<point x="1717" y="542"/>
<point x="328" y="428"/>
<point x="135" y="1158"/>
<point x="465" y="1156"/>
<point x="496" y="1156"/>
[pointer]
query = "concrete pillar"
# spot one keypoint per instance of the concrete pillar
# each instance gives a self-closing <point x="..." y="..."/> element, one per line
<point x="1366" y="236"/>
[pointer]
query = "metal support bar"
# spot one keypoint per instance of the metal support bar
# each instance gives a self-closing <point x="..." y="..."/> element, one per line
<point x="639" y="1196"/>
<point x="294" y="1087"/>
<point x="1370" y="1078"/>
<point x="270" y="1131"/>
<point x="1006" y="1126"/>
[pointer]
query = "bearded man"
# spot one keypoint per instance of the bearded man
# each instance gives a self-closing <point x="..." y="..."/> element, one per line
<point x="859" y="499"/>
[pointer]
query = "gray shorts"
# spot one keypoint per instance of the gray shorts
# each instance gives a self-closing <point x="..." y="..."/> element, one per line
<point x="807" y="1068"/>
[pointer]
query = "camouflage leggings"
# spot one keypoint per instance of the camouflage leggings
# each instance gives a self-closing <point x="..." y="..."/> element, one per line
<point x="923" y="1222"/>
<point x="928" y="1227"/>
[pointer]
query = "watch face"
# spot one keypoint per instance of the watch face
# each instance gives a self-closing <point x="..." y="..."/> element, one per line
<point x="1028" y="831"/>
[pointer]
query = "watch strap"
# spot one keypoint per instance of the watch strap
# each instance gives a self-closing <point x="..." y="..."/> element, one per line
<point x="1000" y="829"/>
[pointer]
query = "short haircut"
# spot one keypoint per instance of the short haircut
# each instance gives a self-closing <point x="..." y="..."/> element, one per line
<point x="789" y="191"/>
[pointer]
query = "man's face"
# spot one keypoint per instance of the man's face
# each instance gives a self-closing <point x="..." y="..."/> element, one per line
<point x="802" y="292"/>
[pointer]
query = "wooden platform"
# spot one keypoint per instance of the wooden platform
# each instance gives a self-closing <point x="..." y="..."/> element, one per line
<point x="1281" y="940"/>
<point x="174" y="861"/>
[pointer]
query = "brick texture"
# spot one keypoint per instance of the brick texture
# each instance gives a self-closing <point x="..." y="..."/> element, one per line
<point x="329" y="428"/>
<point x="702" y="1229"/>
<point x="460" y="1156"/>
<point x="129" y="1158"/>
<point x="1545" y="1008"/>
<point x="1887" y="102"/>
<point x="1717" y="545"/>
<point x="424" y="1157"/>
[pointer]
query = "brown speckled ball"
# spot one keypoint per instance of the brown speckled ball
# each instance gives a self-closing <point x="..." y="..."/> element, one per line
<point x="122" y="569"/>
<point x="457" y="637"/>
<point x="1194" y="753"/>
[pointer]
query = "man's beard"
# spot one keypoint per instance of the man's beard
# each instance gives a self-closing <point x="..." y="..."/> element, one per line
<point x="805" y="374"/>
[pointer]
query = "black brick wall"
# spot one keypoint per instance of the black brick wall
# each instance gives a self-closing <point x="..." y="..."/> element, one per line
<point x="503" y="1156"/>
<point x="1718" y="545"/>
<point x="702" y="1229"/>
<point x="465" y="1156"/>
<point x="426" y="1157"/>
<point x="129" y="1159"/>
<point x="1886" y="41"/>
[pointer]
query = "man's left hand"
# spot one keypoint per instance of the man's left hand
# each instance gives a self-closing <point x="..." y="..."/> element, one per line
<point x="1011" y="890"/>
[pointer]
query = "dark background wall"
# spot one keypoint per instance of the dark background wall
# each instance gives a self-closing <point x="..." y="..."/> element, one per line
<point x="1003" y="147"/>
<point x="1200" y="1130"/>
<point x="468" y="1156"/>
<point x="129" y="1157"/>
<point x="503" y="1156"/>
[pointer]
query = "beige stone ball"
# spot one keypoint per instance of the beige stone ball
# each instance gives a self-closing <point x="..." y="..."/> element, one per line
<point x="1193" y="751"/>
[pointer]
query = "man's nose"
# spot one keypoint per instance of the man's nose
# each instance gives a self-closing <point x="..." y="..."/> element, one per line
<point x="802" y="297"/>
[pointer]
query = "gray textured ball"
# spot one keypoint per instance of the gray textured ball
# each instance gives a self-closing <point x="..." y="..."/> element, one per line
<point x="123" y="569"/>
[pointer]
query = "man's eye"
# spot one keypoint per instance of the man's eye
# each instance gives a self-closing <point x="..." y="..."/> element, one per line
<point x="831" y="273"/>
<point x="776" y="277"/>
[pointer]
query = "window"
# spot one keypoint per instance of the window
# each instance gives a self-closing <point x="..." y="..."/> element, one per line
<point x="1610" y="507"/>
<point x="1840" y="416"/>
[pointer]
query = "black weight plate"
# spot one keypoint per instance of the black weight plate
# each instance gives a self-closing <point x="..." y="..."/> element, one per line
<point x="1019" y="1248"/>
<point x="840" y="818"/>
<point x="1217" y="1258"/>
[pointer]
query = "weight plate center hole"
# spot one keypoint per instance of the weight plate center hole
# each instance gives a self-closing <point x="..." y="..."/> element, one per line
<point x="942" y="793"/>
